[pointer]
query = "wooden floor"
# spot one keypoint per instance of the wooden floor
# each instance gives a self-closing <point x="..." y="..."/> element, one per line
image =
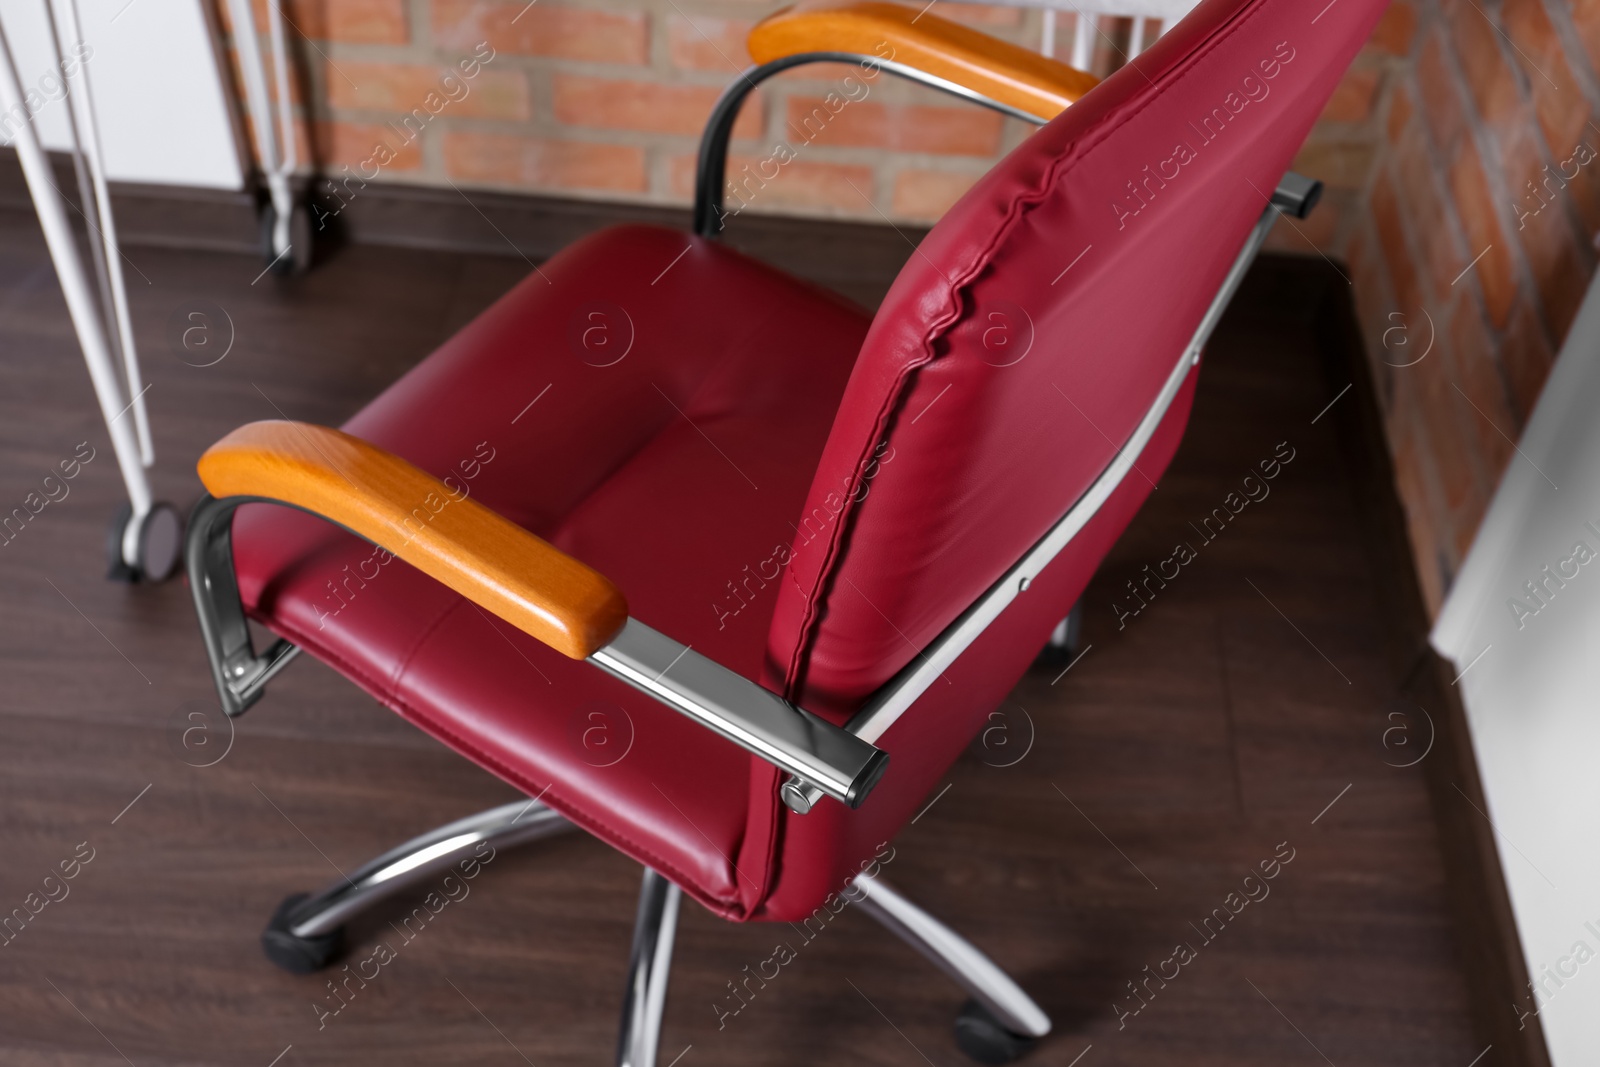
<point x="1239" y="718"/>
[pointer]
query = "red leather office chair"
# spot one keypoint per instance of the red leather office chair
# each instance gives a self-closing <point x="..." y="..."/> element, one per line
<point x="815" y="514"/>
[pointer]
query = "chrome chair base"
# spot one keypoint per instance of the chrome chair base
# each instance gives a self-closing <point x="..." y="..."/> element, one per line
<point x="999" y="1024"/>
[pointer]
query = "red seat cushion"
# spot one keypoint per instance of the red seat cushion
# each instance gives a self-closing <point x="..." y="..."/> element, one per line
<point x="681" y="406"/>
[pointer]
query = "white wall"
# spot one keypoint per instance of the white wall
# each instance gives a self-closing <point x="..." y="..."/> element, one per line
<point x="159" y="93"/>
<point x="1532" y="689"/>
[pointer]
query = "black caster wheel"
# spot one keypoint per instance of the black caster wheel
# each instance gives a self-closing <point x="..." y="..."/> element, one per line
<point x="1066" y="642"/>
<point x="297" y="258"/>
<point x="981" y="1036"/>
<point x="158" y="544"/>
<point x="298" y="955"/>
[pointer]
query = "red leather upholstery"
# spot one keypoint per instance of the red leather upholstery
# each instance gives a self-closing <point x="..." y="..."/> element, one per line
<point x="1013" y="356"/>
<point x="675" y="470"/>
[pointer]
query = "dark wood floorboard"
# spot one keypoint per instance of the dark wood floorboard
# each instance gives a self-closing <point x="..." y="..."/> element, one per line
<point x="1243" y="708"/>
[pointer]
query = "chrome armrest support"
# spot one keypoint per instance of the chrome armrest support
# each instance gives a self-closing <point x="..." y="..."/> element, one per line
<point x="830" y="759"/>
<point x="711" y="171"/>
<point x="240" y="674"/>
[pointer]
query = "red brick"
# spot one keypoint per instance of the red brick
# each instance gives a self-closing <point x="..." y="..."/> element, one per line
<point x="1523" y="167"/>
<point x="437" y="89"/>
<point x="1401" y="107"/>
<point x="835" y="120"/>
<point x="356" y="143"/>
<point x="1558" y="99"/>
<point x="621" y="104"/>
<point x="1392" y="240"/>
<point x="805" y="184"/>
<point x="1469" y="361"/>
<point x="1586" y="16"/>
<point x="926" y="195"/>
<point x="1428" y="218"/>
<point x="1339" y="161"/>
<point x="1584" y="190"/>
<point x="1475" y="205"/>
<point x="1525" y="355"/>
<point x="1395" y="30"/>
<point x="1441" y="95"/>
<point x="1490" y="80"/>
<point x="543" y="29"/>
<point x="352" y="21"/>
<point x="1352" y="100"/>
<point x="1410" y="481"/>
<point x="1560" y="270"/>
<point x="705" y="42"/>
<point x="542" y="163"/>
<point x="1444" y="416"/>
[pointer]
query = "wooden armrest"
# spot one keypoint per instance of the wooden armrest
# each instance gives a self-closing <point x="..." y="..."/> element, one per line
<point x="486" y="558"/>
<point x="990" y="67"/>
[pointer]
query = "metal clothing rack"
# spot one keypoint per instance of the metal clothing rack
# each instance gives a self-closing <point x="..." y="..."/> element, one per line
<point x="146" y="535"/>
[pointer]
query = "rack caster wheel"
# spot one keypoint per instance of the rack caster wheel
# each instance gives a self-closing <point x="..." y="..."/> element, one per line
<point x="1066" y="642"/>
<point x="298" y="955"/>
<point x="981" y="1036"/>
<point x="295" y="257"/>
<point x="158" y="544"/>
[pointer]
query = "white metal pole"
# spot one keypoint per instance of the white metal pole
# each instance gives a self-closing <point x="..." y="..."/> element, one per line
<point x="278" y="177"/>
<point x="74" y="285"/>
<point x="82" y="105"/>
<point x="1136" y="45"/>
<point x="248" y="45"/>
<point x="1083" y="41"/>
<point x="1048" y="48"/>
<point x="283" y="69"/>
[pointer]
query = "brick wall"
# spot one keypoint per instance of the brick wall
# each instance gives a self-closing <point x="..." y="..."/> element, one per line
<point x="1483" y="203"/>
<point x="606" y="99"/>
<point x="1428" y="150"/>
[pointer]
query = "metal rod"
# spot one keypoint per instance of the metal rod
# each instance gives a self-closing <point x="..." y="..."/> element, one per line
<point x="278" y="176"/>
<point x="649" y="966"/>
<point x="1083" y="35"/>
<point x="81" y="103"/>
<point x="86" y="197"/>
<point x="711" y="172"/>
<point x="955" y="956"/>
<point x="419" y="859"/>
<point x="75" y="286"/>
<point x="257" y="99"/>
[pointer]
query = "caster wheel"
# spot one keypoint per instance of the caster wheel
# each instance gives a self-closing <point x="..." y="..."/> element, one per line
<point x="298" y="955"/>
<point x="981" y="1036"/>
<point x="158" y="544"/>
<point x="1066" y="642"/>
<point x="298" y="258"/>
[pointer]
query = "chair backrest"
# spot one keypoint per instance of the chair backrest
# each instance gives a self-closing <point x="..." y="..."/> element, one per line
<point x="1032" y="330"/>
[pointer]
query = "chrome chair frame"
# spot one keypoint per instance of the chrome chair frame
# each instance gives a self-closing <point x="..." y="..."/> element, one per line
<point x="821" y="758"/>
